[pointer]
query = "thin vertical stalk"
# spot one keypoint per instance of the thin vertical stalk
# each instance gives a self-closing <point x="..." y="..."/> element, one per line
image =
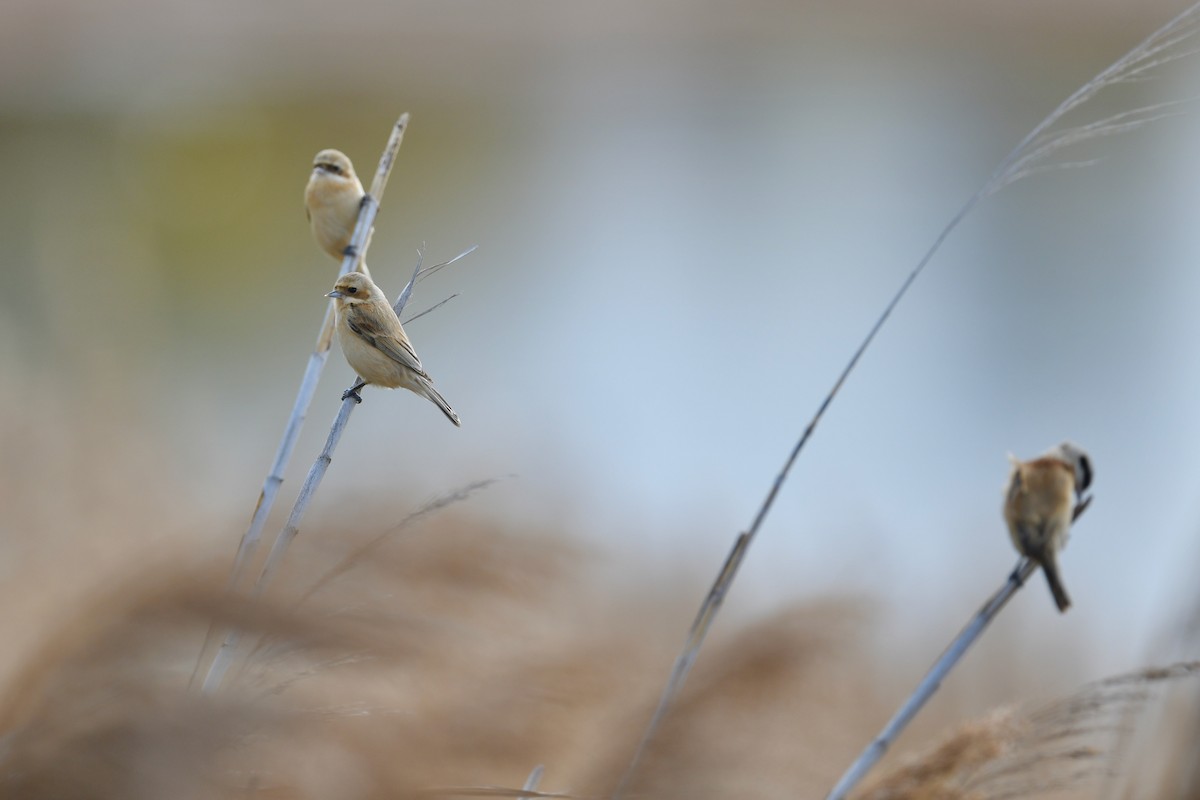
<point x="355" y="253"/>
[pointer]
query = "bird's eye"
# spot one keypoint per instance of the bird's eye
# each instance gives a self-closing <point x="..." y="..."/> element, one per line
<point x="352" y="289"/>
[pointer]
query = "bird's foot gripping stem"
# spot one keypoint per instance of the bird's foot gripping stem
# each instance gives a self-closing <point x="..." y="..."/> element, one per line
<point x="352" y="392"/>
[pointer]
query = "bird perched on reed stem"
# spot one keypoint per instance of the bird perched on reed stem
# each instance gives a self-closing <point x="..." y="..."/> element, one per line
<point x="332" y="200"/>
<point x="1039" y="504"/>
<point x="375" y="344"/>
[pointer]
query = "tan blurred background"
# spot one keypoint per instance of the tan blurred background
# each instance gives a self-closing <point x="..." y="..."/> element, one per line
<point x="688" y="214"/>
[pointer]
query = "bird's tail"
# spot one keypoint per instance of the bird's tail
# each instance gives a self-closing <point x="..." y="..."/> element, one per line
<point x="1050" y="567"/>
<point x="435" y="396"/>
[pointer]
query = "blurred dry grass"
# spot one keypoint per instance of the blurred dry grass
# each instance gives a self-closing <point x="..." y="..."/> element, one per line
<point x="1080" y="744"/>
<point x="462" y="654"/>
<point x="458" y="655"/>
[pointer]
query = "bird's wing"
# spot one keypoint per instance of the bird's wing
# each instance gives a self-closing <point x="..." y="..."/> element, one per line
<point x="395" y="347"/>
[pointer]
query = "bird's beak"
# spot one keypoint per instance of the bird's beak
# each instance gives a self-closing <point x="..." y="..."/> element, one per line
<point x="335" y="293"/>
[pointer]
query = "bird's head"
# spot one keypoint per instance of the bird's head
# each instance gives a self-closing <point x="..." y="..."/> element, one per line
<point x="1075" y="456"/>
<point x="353" y="288"/>
<point x="333" y="163"/>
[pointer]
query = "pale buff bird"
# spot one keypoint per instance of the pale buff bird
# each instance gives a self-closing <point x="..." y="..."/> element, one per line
<point x="375" y="343"/>
<point x="332" y="200"/>
<point x="1039" y="503"/>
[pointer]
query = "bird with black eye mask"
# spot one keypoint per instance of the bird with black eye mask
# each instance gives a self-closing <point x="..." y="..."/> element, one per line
<point x="1039" y="505"/>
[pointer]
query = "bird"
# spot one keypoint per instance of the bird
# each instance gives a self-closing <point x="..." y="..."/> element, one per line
<point x="375" y="344"/>
<point x="332" y="200"/>
<point x="1039" y="504"/>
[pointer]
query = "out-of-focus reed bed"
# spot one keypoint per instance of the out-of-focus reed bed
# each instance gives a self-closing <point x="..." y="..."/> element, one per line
<point x="457" y="654"/>
<point x="453" y="654"/>
<point x="1082" y="744"/>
